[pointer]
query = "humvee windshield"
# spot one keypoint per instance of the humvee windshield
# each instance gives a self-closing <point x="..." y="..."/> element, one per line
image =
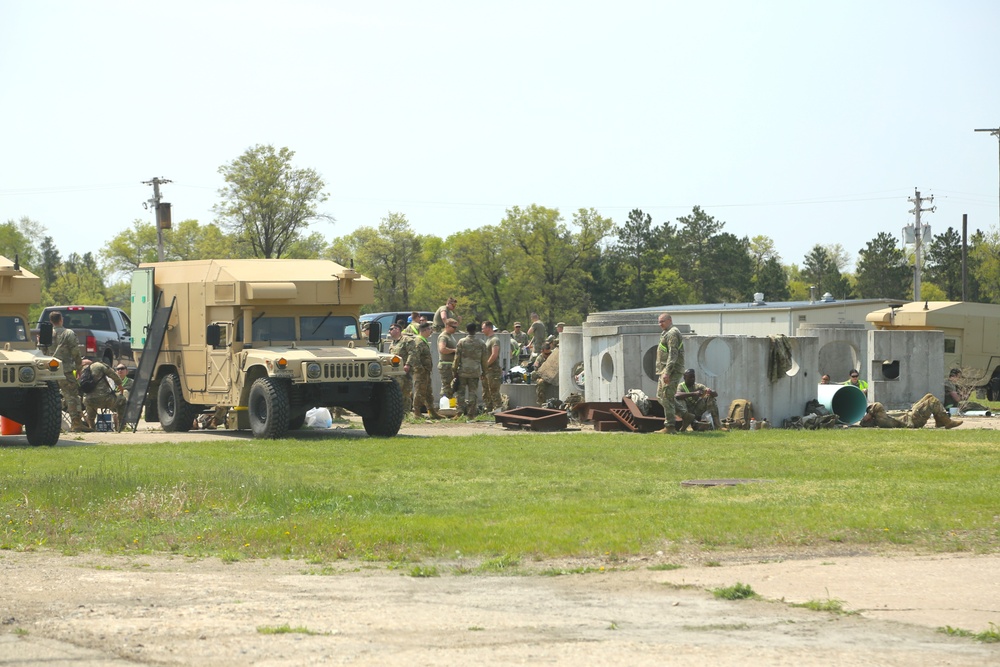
<point x="312" y="327"/>
<point x="12" y="329"/>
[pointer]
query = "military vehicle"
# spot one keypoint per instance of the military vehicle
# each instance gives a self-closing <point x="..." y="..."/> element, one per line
<point x="29" y="393"/>
<point x="271" y="338"/>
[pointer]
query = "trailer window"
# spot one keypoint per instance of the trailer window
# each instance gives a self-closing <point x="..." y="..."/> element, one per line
<point x="334" y="327"/>
<point x="12" y="330"/>
<point x="949" y="346"/>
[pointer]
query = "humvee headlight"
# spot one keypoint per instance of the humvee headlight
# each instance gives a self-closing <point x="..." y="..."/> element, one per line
<point x="53" y="365"/>
<point x="395" y="361"/>
<point x="374" y="369"/>
<point x="26" y="374"/>
<point x="282" y="363"/>
<point x="313" y="371"/>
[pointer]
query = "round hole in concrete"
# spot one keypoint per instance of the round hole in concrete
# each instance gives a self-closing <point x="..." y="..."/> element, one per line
<point x="607" y="367"/>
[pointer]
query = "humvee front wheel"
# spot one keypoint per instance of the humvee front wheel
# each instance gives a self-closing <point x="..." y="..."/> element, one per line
<point x="44" y="426"/>
<point x="267" y="409"/>
<point x="385" y="416"/>
<point x="176" y="414"/>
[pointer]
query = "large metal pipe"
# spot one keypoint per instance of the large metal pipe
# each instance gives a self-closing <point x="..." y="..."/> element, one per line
<point x="844" y="400"/>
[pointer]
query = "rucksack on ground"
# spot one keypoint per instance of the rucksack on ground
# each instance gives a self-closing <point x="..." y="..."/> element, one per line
<point x="740" y="414"/>
<point x="87" y="381"/>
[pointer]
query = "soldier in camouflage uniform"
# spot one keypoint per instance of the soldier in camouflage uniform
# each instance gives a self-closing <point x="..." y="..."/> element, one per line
<point x="916" y="417"/>
<point x="491" y="376"/>
<point x="554" y="338"/>
<point x="402" y="346"/>
<point x="103" y="396"/>
<point x="519" y="345"/>
<point x="470" y="362"/>
<point x="537" y="332"/>
<point x="541" y="384"/>
<point x="66" y="348"/>
<point x="446" y="356"/>
<point x="669" y="367"/>
<point x="694" y="399"/>
<point x="421" y="364"/>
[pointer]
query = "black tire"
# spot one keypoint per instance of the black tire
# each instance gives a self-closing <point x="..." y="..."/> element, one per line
<point x="267" y="409"/>
<point x="152" y="409"/>
<point x="295" y="423"/>
<point x="386" y="414"/>
<point x="107" y="360"/>
<point x="176" y="414"/>
<point x="44" y="427"/>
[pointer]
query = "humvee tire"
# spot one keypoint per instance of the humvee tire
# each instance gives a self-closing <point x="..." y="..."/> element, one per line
<point x="295" y="423"/>
<point x="386" y="415"/>
<point x="176" y="414"/>
<point x="46" y="423"/>
<point x="267" y="409"/>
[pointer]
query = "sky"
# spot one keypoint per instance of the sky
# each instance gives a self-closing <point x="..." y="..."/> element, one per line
<point x="805" y="121"/>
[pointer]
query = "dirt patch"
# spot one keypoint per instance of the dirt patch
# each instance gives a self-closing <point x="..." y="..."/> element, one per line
<point x="92" y="610"/>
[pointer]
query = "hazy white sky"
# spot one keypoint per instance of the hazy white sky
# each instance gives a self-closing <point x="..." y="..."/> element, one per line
<point x="809" y="122"/>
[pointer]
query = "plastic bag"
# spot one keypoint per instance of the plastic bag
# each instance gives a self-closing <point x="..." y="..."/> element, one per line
<point x="319" y="418"/>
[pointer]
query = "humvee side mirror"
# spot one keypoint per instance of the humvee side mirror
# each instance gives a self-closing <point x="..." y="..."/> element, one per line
<point x="45" y="333"/>
<point x="375" y="333"/>
<point x="213" y="335"/>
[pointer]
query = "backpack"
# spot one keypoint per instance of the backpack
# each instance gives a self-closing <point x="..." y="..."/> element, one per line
<point x="87" y="381"/>
<point x="740" y="414"/>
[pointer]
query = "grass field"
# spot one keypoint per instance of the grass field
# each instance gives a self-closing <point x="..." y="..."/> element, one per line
<point x="525" y="496"/>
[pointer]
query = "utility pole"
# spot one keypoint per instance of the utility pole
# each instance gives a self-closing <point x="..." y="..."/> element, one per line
<point x="996" y="133"/>
<point x="918" y="233"/>
<point x="162" y="213"/>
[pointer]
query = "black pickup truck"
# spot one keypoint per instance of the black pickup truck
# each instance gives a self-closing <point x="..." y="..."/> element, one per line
<point x="104" y="332"/>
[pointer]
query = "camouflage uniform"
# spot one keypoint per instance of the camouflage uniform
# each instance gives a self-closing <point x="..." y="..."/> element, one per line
<point x="420" y="362"/>
<point x="491" y="376"/>
<point x="403" y="348"/>
<point x="915" y="417"/>
<point x="537" y="333"/>
<point x="446" y="364"/>
<point x="470" y="360"/>
<point x="66" y="348"/>
<point x="670" y="360"/>
<point x="103" y="396"/>
<point x="691" y="408"/>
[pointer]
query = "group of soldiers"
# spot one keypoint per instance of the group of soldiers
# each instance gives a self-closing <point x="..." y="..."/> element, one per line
<point x="691" y="399"/>
<point x="110" y="388"/>
<point x="461" y="363"/>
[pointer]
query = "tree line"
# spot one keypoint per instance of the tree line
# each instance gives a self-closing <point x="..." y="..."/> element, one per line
<point x="533" y="259"/>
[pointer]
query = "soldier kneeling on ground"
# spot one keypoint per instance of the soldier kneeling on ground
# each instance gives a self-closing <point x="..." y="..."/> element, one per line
<point x="97" y="393"/>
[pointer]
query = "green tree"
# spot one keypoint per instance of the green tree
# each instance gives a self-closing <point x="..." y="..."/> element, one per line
<point x="266" y="202"/>
<point x="636" y="254"/>
<point x="732" y="280"/>
<point x="944" y="263"/>
<point x="78" y="281"/>
<point x="772" y="280"/>
<point x="556" y="257"/>
<point x="882" y="270"/>
<point x="692" y="253"/>
<point x="985" y="256"/>
<point x="820" y="269"/>
<point x="49" y="261"/>
<point x="485" y="265"/>
<point x="388" y="255"/>
<point x="17" y="240"/>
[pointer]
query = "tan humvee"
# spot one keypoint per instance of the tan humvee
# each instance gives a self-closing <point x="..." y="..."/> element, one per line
<point x="271" y="338"/>
<point x="29" y="394"/>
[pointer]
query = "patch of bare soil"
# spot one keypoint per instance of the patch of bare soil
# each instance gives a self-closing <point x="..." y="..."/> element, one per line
<point x="90" y="610"/>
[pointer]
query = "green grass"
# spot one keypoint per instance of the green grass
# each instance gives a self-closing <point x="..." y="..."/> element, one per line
<point x="831" y="605"/>
<point x="503" y="501"/>
<point x="737" y="591"/>
<point x="286" y="629"/>
<point x="990" y="636"/>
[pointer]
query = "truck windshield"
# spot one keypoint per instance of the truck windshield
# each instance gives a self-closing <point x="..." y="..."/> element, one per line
<point x="12" y="329"/>
<point x="333" y="327"/>
<point x="319" y="327"/>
